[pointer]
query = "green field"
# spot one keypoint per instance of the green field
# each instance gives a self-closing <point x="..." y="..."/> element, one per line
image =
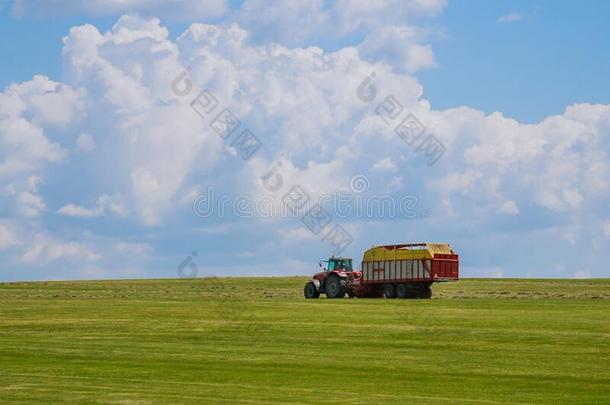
<point x="255" y="340"/>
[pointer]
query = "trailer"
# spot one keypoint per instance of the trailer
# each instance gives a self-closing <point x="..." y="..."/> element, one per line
<point x="390" y="271"/>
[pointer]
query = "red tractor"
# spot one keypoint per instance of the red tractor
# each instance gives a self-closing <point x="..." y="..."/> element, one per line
<point x="336" y="280"/>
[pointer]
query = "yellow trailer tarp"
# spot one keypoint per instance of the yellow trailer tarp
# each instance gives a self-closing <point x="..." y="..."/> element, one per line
<point x="406" y="252"/>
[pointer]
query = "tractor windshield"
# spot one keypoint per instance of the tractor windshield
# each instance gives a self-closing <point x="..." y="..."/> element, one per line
<point x="345" y="265"/>
<point x="339" y="264"/>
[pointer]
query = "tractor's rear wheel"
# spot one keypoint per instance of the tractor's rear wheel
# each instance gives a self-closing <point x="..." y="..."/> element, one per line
<point x="389" y="291"/>
<point x="310" y="290"/>
<point x="335" y="287"/>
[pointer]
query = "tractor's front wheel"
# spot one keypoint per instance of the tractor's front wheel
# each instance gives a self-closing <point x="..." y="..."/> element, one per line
<point x="310" y="290"/>
<point x="335" y="287"/>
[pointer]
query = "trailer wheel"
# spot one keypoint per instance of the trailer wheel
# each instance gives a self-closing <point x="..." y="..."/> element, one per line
<point x="310" y="290"/>
<point x="402" y="291"/>
<point x="425" y="292"/>
<point x="406" y="291"/>
<point x="389" y="291"/>
<point x="335" y="287"/>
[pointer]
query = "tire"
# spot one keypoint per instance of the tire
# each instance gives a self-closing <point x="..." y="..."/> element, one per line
<point x="402" y="291"/>
<point x="389" y="291"/>
<point x="406" y="291"/>
<point x="425" y="292"/>
<point x="310" y="290"/>
<point x="335" y="287"/>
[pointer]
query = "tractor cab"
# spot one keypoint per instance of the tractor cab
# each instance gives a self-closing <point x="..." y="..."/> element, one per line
<point x="338" y="264"/>
<point x="335" y="281"/>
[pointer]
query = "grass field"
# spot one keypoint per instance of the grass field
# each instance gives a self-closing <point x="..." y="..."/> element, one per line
<point x="254" y="340"/>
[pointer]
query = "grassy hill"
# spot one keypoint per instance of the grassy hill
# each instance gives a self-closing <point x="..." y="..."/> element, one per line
<point x="255" y="340"/>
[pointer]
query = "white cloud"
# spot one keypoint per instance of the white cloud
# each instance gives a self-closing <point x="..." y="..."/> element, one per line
<point x="559" y="164"/>
<point x="298" y="235"/>
<point x="57" y="106"/>
<point x="85" y="143"/>
<point x="8" y="237"/>
<point x="46" y="249"/>
<point x="509" y="207"/>
<point x="309" y="99"/>
<point x="385" y="165"/>
<point x="162" y="140"/>
<point x="398" y="45"/>
<point x="30" y="204"/>
<point x="27" y="107"/>
<point x="113" y="203"/>
<point x="73" y="210"/>
<point x="510" y="18"/>
<point x="105" y="203"/>
<point x="158" y="140"/>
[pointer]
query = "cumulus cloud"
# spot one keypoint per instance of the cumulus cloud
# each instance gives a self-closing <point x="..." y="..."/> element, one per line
<point x="105" y="203"/>
<point x="385" y="165"/>
<point x="559" y="164"/>
<point x="31" y="111"/>
<point x="30" y="204"/>
<point x="509" y="207"/>
<point x="303" y="103"/>
<point x="398" y="45"/>
<point x="46" y="249"/>
<point x="307" y="97"/>
<point x="510" y="18"/>
<point x="27" y="109"/>
<point x="159" y="140"/>
<point x="73" y="210"/>
<point x="8" y="237"/>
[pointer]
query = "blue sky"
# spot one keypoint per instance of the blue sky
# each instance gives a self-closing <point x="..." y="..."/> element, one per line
<point x="555" y="55"/>
<point x="103" y="161"/>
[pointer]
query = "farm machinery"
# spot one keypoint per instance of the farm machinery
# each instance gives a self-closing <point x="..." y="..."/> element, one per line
<point x="390" y="271"/>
